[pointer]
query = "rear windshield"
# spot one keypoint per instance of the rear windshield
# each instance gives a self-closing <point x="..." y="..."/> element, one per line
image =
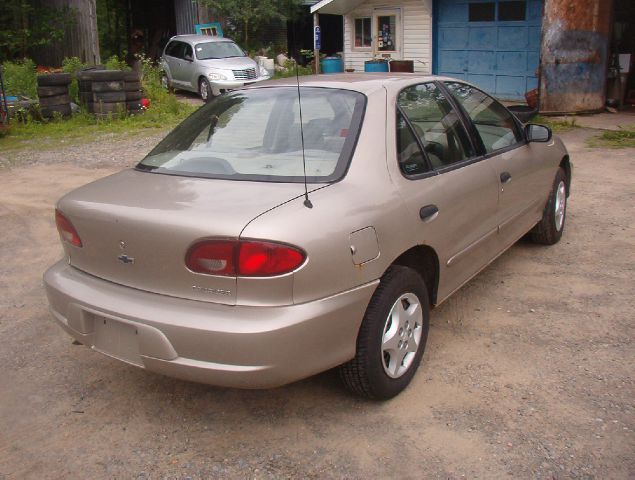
<point x="208" y="50"/>
<point x="255" y="135"/>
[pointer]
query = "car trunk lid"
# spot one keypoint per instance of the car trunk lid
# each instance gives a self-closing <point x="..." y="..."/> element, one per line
<point x="136" y="228"/>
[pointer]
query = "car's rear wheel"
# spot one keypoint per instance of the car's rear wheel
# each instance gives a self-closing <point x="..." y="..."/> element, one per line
<point x="549" y="230"/>
<point x="392" y="338"/>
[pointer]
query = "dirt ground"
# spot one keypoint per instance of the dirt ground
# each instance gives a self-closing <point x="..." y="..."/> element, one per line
<point x="529" y="371"/>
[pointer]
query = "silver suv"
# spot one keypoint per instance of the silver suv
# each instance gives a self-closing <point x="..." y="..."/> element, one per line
<point x="208" y="65"/>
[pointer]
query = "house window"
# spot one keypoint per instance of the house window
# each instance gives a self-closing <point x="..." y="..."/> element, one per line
<point x="362" y="33"/>
<point x="387" y="33"/>
<point x="512" y="11"/>
<point x="482" y="12"/>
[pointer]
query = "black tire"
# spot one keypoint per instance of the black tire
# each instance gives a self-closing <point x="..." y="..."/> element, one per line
<point x="546" y="232"/>
<point x="131" y="86"/>
<point x="63" y="99"/>
<point x="365" y="374"/>
<point x="134" y="105"/>
<point x="204" y="89"/>
<point x="165" y="83"/>
<point x="134" y="95"/>
<point x="102" y="75"/>
<point x="49" y="112"/>
<point x="110" y="86"/>
<point x="52" y="91"/>
<point x="110" y="107"/>
<point x="109" y="97"/>
<point x="131" y="76"/>
<point x="54" y="79"/>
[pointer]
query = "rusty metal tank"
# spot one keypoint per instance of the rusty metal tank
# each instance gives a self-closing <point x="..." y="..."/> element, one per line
<point x="575" y="49"/>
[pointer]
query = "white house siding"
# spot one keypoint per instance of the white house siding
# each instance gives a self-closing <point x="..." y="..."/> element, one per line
<point x="416" y="36"/>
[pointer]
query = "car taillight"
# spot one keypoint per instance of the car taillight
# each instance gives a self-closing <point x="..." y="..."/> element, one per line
<point x="66" y="229"/>
<point x="248" y="258"/>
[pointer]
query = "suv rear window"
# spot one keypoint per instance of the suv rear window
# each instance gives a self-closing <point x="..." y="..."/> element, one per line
<point x="254" y="134"/>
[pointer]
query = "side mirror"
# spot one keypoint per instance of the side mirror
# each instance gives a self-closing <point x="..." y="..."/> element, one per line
<point x="537" y="133"/>
<point x="188" y="57"/>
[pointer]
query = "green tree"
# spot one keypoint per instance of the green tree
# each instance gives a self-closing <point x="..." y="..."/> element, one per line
<point x="246" y="17"/>
<point x="26" y="24"/>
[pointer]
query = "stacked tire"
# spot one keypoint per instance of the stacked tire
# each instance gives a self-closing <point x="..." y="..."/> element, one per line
<point x="134" y="92"/>
<point x="101" y="92"/>
<point x="109" y="92"/>
<point x="52" y="90"/>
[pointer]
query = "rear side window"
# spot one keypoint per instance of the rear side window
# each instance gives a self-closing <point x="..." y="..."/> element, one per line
<point x="175" y="49"/>
<point x="410" y="156"/>
<point x="494" y="123"/>
<point x="436" y="124"/>
<point x="254" y="134"/>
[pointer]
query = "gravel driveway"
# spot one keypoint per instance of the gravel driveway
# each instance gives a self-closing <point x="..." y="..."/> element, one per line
<point x="528" y="371"/>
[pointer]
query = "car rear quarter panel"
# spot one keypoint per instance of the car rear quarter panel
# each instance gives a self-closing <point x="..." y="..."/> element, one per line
<point x="365" y="197"/>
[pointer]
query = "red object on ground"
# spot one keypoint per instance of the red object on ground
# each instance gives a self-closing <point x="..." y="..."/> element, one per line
<point x="145" y="103"/>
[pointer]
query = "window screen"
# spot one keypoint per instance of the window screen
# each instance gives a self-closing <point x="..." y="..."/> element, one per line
<point x="512" y="11"/>
<point x="482" y="12"/>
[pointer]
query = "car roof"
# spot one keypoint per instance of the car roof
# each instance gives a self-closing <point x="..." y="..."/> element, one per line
<point x="360" y="82"/>
<point x="194" y="39"/>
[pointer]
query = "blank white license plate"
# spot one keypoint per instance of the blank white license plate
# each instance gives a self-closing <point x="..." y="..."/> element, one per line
<point x="117" y="339"/>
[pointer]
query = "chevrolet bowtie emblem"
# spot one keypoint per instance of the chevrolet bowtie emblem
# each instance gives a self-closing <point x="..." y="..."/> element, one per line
<point x="125" y="259"/>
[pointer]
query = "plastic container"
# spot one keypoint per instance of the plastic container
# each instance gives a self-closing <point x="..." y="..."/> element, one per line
<point x="331" y="65"/>
<point x="376" y="66"/>
<point x="407" y="66"/>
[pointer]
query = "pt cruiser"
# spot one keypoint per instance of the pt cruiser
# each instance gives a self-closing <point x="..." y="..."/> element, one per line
<point x="260" y="243"/>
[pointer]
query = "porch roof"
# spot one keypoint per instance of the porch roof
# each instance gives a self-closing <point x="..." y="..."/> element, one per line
<point x="335" y="7"/>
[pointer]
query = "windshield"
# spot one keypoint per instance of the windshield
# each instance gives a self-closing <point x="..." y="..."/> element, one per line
<point x="255" y="135"/>
<point x="208" y="50"/>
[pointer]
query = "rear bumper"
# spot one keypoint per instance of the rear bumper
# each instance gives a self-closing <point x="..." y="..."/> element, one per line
<point x="233" y="346"/>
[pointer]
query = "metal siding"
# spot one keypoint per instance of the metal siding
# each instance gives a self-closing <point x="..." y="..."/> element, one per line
<point x="500" y="57"/>
<point x="186" y="13"/>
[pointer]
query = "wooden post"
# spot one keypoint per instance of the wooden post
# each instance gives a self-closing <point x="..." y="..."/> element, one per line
<point x="316" y="51"/>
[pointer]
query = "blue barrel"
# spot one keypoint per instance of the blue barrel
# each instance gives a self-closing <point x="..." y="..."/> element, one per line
<point x="376" y="66"/>
<point x="331" y="65"/>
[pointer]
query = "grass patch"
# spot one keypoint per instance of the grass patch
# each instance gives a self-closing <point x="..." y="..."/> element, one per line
<point x="164" y="113"/>
<point x="558" y="125"/>
<point x="84" y="127"/>
<point x="622" y="138"/>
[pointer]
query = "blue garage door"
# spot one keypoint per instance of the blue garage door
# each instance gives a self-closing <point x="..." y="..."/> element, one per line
<point x="493" y="44"/>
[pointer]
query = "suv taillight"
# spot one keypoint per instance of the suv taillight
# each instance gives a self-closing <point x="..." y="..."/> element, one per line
<point x="66" y="229"/>
<point x="244" y="258"/>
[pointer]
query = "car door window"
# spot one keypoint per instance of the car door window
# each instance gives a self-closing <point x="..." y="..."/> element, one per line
<point x="411" y="158"/>
<point x="436" y="123"/>
<point x="494" y="123"/>
<point x="175" y="49"/>
<point x="188" y="53"/>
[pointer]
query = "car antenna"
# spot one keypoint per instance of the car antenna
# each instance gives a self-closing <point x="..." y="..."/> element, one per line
<point x="307" y="202"/>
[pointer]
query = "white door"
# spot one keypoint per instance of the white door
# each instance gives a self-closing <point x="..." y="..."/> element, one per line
<point x="388" y="33"/>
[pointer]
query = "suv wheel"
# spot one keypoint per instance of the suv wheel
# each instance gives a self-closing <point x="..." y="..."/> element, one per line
<point x="205" y="89"/>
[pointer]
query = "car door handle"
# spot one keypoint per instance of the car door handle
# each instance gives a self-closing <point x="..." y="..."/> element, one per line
<point x="505" y="177"/>
<point x="428" y="213"/>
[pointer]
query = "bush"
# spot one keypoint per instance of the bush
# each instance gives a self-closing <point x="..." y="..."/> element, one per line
<point x="20" y="78"/>
<point x="290" y="66"/>
<point x="73" y="65"/>
<point x="116" y="63"/>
